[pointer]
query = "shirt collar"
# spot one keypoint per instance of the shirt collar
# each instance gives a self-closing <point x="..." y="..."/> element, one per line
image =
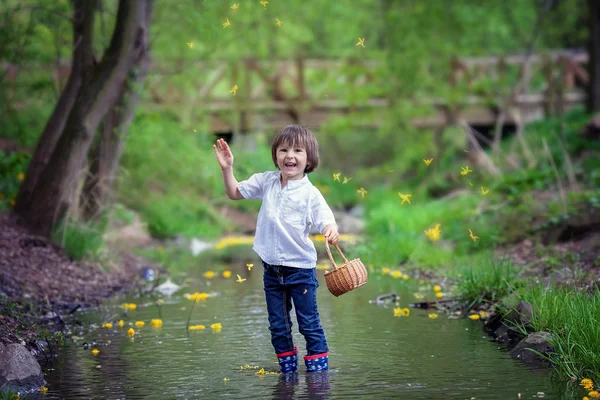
<point x="296" y="183"/>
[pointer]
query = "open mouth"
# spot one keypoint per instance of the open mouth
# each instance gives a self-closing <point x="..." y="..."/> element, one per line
<point x="290" y="165"/>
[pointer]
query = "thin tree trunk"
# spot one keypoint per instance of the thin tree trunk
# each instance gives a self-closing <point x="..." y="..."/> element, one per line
<point x="593" y="103"/>
<point x="99" y="91"/>
<point x="106" y="153"/>
<point x="82" y="58"/>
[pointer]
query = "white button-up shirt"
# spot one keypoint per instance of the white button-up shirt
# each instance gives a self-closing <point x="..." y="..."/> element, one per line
<point x="285" y="218"/>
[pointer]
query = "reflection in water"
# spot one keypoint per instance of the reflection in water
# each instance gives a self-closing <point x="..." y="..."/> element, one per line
<point x="372" y="353"/>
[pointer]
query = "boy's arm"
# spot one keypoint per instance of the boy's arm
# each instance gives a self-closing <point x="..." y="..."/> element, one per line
<point x="231" y="185"/>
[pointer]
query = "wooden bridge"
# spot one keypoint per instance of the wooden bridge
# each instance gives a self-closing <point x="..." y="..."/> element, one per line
<point x="273" y="93"/>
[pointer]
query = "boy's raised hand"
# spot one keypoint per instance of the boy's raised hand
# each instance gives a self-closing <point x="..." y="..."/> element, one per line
<point x="223" y="153"/>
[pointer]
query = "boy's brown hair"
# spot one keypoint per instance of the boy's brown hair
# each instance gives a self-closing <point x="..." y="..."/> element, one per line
<point x="296" y="135"/>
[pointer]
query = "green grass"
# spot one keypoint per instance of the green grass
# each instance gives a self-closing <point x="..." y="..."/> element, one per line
<point x="573" y="319"/>
<point x="81" y="239"/>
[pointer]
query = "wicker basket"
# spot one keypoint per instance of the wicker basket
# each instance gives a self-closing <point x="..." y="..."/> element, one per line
<point x="347" y="277"/>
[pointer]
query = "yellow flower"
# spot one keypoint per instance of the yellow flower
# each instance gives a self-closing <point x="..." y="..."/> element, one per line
<point x="396" y="274"/>
<point x="198" y="296"/>
<point x="226" y="274"/>
<point x="235" y="6"/>
<point x="405" y="277"/>
<point x="587" y="384"/>
<point x="437" y="288"/>
<point x="121" y="323"/>
<point x="484" y="191"/>
<point x="362" y="192"/>
<point x="346" y="180"/>
<point x="160" y="302"/>
<point x="433" y="233"/>
<point x="474" y="317"/>
<point x="439" y="295"/>
<point x="226" y="23"/>
<point x="585" y="398"/>
<point x="594" y="394"/>
<point x="401" y="312"/>
<point x="428" y="161"/>
<point x="216" y="325"/>
<point x="20" y="176"/>
<point x="249" y="266"/>
<point x="240" y="279"/>
<point x="405" y="198"/>
<point x="190" y="44"/>
<point x="108" y="325"/>
<point x="261" y="372"/>
<point x="405" y="312"/>
<point x="361" y="42"/>
<point x="472" y="236"/>
<point x="131" y="332"/>
<point x="385" y="271"/>
<point x="129" y="306"/>
<point x="95" y="352"/>
<point x="157" y="323"/>
<point x="484" y="314"/>
<point x="433" y="316"/>
<point x="419" y="296"/>
<point x="278" y="22"/>
<point x="336" y="177"/>
<point x="465" y="170"/>
<point x="322" y="267"/>
<point x="209" y="274"/>
<point x="264" y="3"/>
<point x="225" y="379"/>
<point x="234" y="89"/>
<point x="43" y="390"/>
<point x="139" y="324"/>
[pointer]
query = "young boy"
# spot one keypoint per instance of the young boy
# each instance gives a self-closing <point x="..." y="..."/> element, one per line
<point x="291" y="205"/>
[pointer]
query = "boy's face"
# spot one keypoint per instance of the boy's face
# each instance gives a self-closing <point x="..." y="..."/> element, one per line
<point x="291" y="160"/>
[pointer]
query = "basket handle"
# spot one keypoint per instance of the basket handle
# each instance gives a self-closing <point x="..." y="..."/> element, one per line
<point x="331" y="257"/>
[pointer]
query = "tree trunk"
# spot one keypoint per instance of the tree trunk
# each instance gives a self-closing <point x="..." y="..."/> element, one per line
<point x="53" y="194"/>
<point x="106" y="153"/>
<point x="82" y="58"/>
<point x="593" y="101"/>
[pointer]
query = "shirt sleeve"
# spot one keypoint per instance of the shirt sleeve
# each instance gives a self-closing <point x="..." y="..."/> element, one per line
<point x="253" y="187"/>
<point x="320" y="212"/>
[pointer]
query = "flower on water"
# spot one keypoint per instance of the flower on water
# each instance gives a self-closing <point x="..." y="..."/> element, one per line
<point x="43" y="390"/>
<point x="396" y="274"/>
<point x="433" y="233"/>
<point x="226" y="274"/>
<point x="401" y="312"/>
<point x="225" y="379"/>
<point x="198" y="296"/>
<point x="216" y="325"/>
<point x="157" y="323"/>
<point x="437" y="288"/>
<point x="209" y="274"/>
<point x="121" y="323"/>
<point x="129" y="306"/>
<point x="474" y="317"/>
<point x="439" y="295"/>
<point x="95" y="352"/>
<point x="261" y="372"/>
<point x="131" y="332"/>
<point x="249" y="366"/>
<point x="433" y="316"/>
<point x="385" y="271"/>
<point x="587" y="384"/>
<point x="108" y="325"/>
<point x="20" y="176"/>
<point x="139" y="324"/>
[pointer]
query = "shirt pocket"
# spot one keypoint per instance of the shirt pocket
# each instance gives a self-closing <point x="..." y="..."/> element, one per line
<point x="293" y="213"/>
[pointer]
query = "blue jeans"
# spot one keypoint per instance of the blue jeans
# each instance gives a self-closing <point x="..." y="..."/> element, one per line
<point x="282" y="286"/>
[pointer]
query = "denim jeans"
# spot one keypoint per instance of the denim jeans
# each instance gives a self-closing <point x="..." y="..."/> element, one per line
<point x="284" y="285"/>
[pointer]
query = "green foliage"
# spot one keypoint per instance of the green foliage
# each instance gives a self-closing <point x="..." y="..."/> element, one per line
<point x="81" y="240"/>
<point x="12" y="172"/>
<point x="486" y="280"/>
<point x="573" y="318"/>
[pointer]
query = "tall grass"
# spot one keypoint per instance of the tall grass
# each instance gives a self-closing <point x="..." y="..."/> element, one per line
<point x="487" y="280"/>
<point x="81" y="239"/>
<point x="573" y="319"/>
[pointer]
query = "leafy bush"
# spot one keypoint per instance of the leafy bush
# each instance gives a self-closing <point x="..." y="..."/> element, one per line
<point x="12" y="172"/>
